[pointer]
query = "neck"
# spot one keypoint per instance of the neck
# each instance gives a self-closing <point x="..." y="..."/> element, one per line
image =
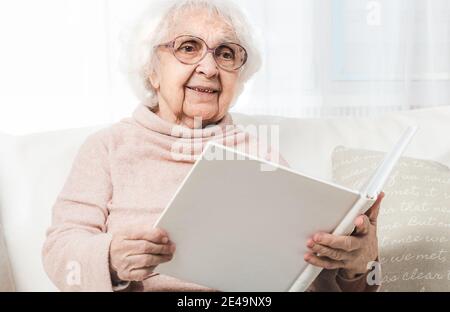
<point x="181" y="119"/>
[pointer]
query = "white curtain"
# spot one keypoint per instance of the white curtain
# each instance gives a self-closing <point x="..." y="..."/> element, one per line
<point x="351" y="57"/>
<point x="59" y="59"/>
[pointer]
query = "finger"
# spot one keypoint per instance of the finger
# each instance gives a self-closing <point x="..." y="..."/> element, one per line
<point x="373" y="212"/>
<point x="143" y="261"/>
<point x="143" y="247"/>
<point x="333" y="254"/>
<point x="362" y="225"/>
<point x="138" y="275"/>
<point x="323" y="262"/>
<point x="346" y="243"/>
<point x="157" y="236"/>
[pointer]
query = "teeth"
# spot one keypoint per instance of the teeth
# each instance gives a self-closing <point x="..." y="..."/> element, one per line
<point x="203" y="90"/>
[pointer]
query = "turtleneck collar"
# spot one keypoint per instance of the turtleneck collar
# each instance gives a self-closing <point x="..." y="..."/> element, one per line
<point x="148" y="119"/>
<point x="185" y="144"/>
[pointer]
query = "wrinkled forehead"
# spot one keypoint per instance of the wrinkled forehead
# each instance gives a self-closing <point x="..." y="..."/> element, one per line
<point x="202" y="23"/>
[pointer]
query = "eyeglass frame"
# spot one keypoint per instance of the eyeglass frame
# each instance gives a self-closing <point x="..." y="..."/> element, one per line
<point x="171" y="45"/>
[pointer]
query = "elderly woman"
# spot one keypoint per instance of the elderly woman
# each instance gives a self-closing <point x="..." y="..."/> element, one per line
<point x="102" y="236"/>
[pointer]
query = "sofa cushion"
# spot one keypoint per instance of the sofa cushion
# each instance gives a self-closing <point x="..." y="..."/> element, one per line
<point x="414" y="220"/>
<point x="6" y="277"/>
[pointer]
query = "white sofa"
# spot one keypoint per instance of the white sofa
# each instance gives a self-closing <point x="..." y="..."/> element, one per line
<point x="33" y="169"/>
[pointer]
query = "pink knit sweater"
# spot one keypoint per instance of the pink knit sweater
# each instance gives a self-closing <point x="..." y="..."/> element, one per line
<point x="125" y="175"/>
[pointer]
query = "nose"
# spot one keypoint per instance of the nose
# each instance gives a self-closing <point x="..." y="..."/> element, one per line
<point x="208" y="66"/>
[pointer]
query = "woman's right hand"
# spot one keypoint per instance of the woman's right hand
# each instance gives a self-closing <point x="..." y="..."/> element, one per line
<point x="135" y="253"/>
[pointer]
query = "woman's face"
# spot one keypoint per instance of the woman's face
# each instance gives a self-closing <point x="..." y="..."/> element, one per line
<point x="175" y="82"/>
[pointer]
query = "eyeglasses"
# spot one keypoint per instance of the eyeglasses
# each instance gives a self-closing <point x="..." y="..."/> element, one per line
<point x="192" y="50"/>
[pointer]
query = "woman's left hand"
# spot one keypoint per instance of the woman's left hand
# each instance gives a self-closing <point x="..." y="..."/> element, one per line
<point x="352" y="253"/>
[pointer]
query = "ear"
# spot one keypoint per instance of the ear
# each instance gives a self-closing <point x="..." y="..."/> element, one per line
<point x="154" y="80"/>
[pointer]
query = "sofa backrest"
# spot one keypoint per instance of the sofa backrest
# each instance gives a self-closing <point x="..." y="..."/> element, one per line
<point x="307" y="144"/>
<point x="33" y="168"/>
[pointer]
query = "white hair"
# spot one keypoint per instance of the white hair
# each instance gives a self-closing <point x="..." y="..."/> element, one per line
<point x="139" y="59"/>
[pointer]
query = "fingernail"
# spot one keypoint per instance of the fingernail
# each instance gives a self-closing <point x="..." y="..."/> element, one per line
<point x="307" y="257"/>
<point x="318" y="237"/>
<point x="310" y="243"/>
<point x="359" y="221"/>
<point x="165" y="240"/>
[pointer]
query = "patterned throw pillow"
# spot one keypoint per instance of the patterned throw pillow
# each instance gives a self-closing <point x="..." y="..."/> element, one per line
<point x="414" y="220"/>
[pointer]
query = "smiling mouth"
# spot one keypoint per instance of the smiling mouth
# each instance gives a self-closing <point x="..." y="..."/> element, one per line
<point x="204" y="90"/>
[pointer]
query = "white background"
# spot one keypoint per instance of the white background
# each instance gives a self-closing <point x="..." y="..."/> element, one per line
<point x="59" y="59"/>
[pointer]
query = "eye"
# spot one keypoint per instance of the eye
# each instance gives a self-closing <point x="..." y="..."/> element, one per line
<point x="226" y="53"/>
<point x="189" y="47"/>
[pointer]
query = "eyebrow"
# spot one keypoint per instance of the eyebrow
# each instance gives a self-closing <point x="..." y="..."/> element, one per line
<point x="227" y="38"/>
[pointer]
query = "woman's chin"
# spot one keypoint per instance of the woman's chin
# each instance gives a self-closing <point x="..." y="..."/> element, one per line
<point x="204" y="112"/>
